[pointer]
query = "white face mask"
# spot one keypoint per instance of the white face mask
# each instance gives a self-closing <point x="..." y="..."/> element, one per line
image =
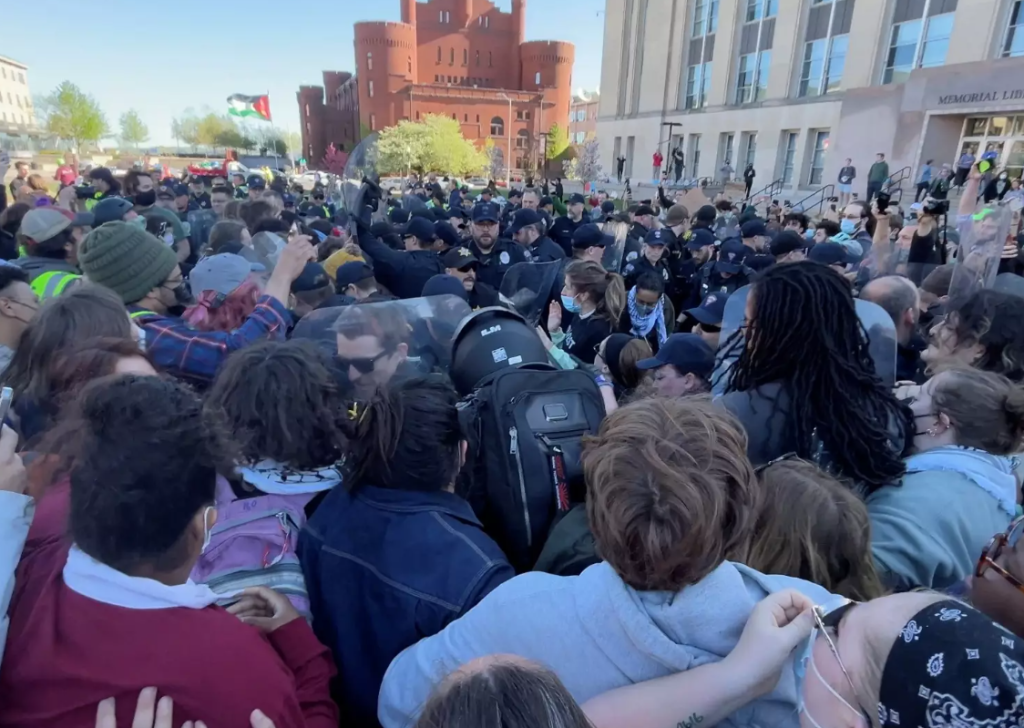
<point x="801" y="674"/>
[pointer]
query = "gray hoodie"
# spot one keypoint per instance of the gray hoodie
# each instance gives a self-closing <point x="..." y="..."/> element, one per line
<point x="35" y="266"/>
<point x="597" y="634"/>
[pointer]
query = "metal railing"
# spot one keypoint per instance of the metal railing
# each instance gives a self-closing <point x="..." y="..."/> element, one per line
<point x="823" y="194"/>
<point x="895" y="184"/>
<point x="772" y="189"/>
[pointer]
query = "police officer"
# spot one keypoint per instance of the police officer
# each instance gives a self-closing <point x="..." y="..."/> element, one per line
<point x="238" y="182"/>
<point x="563" y="228"/>
<point x="318" y="206"/>
<point x="496" y="255"/>
<point x="462" y="264"/>
<point x="699" y="248"/>
<point x="529" y="231"/>
<point x="255" y="185"/>
<point x="727" y="273"/>
<point x="515" y="203"/>
<point x="403" y="272"/>
<point x="589" y="243"/>
<point x="653" y="258"/>
<point x="200" y="198"/>
<point x="643" y="222"/>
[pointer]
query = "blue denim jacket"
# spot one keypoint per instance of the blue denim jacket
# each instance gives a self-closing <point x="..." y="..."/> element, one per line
<point x="385" y="568"/>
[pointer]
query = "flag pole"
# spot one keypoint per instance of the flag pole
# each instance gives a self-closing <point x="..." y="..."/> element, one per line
<point x="273" y="137"/>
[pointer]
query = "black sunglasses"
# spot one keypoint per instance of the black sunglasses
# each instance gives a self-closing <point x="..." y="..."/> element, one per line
<point x="362" y="365"/>
<point x="710" y="329"/>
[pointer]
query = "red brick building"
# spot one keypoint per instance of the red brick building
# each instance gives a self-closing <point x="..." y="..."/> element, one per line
<point x="583" y="117"/>
<point x="463" y="58"/>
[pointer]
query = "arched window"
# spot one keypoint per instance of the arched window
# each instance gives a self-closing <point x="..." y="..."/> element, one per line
<point x="451" y="62"/>
<point x="490" y="59"/>
<point x="410" y="64"/>
<point x="478" y="59"/>
<point x="465" y="56"/>
<point x="536" y="79"/>
<point x="439" y="54"/>
<point x="369" y="61"/>
<point x="497" y="126"/>
<point x="522" y="139"/>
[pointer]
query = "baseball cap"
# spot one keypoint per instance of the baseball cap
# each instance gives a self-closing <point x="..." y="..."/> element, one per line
<point x="732" y="256"/>
<point x="421" y="228"/>
<point x="165" y="193"/>
<point x="222" y="273"/>
<point x="459" y="258"/>
<point x="254" y="181"/>
<point x="608" y="207"/>
<point x="444" y="285"/>
<point x="577" y="199"/>
<point x="688" y="353"/>
<point x="110" y="209"/>
<point x="43" y="223"/>
<point x="545" y="201"/>
<point x="447" y="234"/>
<point x="786" y="242"/>
<point x="458" y="212"/>
<point x="589" y="236"/>
<point x="707" y="214"/>
<point x="181" y="190"/>
<point x="486" y="212"/>
<point x="313" y="277"/>
<point x="828" y="254"/>
<point x="515" y="194"/>
<point x="350" y="273"/>
<point x="700" y="238"/>
<point x="289" y="199"/>
<point x="760" y="262"/>
<point x="753" y="228"/>
<point x="644" y="210"/>
<point x="522" y="219"/>
<point x="656" y="237"/>
<point x="399" y="216"/>
<point x="79" y="219"/>
<point x="711" y="309"/>
<point x="676" y="215"/>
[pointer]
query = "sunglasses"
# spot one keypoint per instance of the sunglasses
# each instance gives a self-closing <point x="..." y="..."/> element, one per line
<point x="363" y="365"/>
<point x="995" y="548"/>
<point x="710" y="329"/>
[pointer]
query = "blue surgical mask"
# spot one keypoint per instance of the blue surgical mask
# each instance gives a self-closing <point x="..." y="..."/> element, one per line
<point x="569" y="304"/>
<point x="848" y="226"/>
<point x="809" y="234"/>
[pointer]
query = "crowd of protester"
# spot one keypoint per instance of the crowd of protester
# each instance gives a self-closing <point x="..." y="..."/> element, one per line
<point x="233" y="468"/>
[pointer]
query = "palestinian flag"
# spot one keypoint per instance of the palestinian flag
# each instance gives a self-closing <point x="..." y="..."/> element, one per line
<point x="258" y="106"/>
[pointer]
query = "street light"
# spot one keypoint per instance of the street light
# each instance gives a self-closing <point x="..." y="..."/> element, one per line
<point x="508" y="158"/>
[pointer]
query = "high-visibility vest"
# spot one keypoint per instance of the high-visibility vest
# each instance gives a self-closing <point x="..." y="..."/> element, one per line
<point x="91" y="202"/>
<point x="138" y="314"/>
<point x="52" y="283"/>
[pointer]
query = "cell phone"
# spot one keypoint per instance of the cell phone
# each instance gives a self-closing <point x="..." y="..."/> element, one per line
<point x="6" y="397"/>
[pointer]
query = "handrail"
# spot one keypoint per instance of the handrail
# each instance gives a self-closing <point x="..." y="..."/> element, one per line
<point x="826" y="192"/>
<point x="772" y="188"/>
<point x="897" y="179"/>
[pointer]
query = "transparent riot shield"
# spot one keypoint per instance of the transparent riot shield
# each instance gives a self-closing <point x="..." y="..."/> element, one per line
<point x="615" y="245"/>
<point x="982" y="239"/>
<point x="266" y="250"/>
<point x="880" y="329"/>
<point x="373" y="342"/>
<point x="362" y="162"/>
<point x="528" y="288"/>
<point x="200" y="222"/>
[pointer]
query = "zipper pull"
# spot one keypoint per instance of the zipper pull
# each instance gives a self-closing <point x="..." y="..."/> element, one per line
<point x="513" y="436"/>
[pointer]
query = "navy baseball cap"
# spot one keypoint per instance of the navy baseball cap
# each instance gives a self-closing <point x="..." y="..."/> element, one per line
<point x="577" y="199"/>
<point x="711" y="309"/>
<point x="420" y="227"/>
<point x="108" y="210"/>
<point x="700" y="238"/>
<point x="828" y="254"/>
<point x="644" y="210"/>
<point x="350" y="273"/>
<point x="753" y="228"/>
<point x="255" y="181"/>
<point x="445" y="285"/>
<point x="447" y="234"/>
<point x="313" y="277"/>
<point x="522" y="219"/>
<point x="181" y="190"/>
<point x="656" y="237"/>
<point x="608" y="207"/>
<point x="688" y="353"/>
<point x="459" y="258"/>
<point x="732" y="256"/>
<point x="545" y="201"/>
<point x="589" y="236"/>
<point x="398" y="216"/>
<point x="289" y="199"/>
<point x="486" y="212"/>
<point x="786" y="242"/>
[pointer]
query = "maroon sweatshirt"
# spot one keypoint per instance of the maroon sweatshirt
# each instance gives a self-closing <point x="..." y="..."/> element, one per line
<point x="65" y="653"/>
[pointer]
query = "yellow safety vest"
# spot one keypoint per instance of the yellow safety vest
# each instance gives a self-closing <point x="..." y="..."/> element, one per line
<point x="52" y="284"/>
<point x="91" y="202"/>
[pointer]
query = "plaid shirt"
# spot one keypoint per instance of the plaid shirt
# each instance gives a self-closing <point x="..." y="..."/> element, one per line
<point x="182" y="351"/>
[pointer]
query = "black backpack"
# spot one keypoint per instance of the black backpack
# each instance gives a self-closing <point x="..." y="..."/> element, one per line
<point x="524" y="427"/>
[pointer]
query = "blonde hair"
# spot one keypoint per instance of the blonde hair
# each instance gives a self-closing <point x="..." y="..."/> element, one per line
<point x="607" y="290"/>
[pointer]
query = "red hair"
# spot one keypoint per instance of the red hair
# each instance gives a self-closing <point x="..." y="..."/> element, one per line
<point x="214" y="311"/>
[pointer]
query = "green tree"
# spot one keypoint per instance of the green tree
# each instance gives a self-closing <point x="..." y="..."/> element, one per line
<point x="293" y="142"/>
<point x="434" y="144"/>
<point x="133" y="131"/>
<point x="186" y="128"/>
<point x="74" y="116"/>
<point x="231" y="138"/>
<point x="558" y="141"/>
<point x="212" y="127"/>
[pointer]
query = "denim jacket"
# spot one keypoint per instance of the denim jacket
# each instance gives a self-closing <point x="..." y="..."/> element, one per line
<point x="385" y="568"/>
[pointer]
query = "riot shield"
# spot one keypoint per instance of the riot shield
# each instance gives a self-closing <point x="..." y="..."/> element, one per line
<point x="881" y="334"/>
<point x="982" y="239"/>
<point x="362" y="162"/>
<point x="200" y="222"/>
<point x="615" y="246"/>
<point x="530" y="287"/>
<point x="266" y="250"/>
<point x="373" y="342"/>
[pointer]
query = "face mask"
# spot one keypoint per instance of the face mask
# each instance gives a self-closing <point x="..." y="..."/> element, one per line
<point x="801" y="676"/>
<point x="169" y="238"/>
<point x="569" y="304"/>
<point x="809" y="234"/>
<point x="145" y="199"/>
<point x="644" y="310"/>
<point x="207" y="531"/>
<point x="139" y="222"/>
<point x="848" y="226"/>
<point x="1003" y="175"/>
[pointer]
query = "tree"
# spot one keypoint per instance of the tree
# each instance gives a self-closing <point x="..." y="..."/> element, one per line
<point x="230" y="138"/>
<point x="293" y="141"/>
<point x="74" y="116"/>
<point x="186" y="128"/>
<point x="496" y="160"/>
<point x="212" y="127"/>
<point x="558" y="141"/>
<point x="435" y="144"/>
<point x="334" y="161"/>
<point x="588" y="161"/>
<point x="133" y="131"/>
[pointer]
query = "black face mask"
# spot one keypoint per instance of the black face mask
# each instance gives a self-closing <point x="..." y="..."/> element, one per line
<point x="145" y="199"/>
<point x="182" y="299"/>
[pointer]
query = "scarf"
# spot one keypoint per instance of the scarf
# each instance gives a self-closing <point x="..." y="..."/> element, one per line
<point x="643" y="323"/>
<point x="994" y="474"/>
<point x="270" y="476"/>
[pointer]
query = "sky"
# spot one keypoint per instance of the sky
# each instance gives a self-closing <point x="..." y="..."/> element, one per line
<point x="161" y="58"/>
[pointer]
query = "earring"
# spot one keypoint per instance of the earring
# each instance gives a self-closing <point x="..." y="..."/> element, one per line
<point x="931" y="432"/>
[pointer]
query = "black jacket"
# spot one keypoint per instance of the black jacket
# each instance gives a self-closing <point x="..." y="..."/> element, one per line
<point x="404" y="273"/>
<point x="495" y="262"/>
<point x="544" y="250"/>
<point x="562" y="231"/>
<point x="483" y="296"/>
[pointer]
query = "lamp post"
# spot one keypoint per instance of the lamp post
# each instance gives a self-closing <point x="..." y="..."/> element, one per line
<point x="508" y="158"/>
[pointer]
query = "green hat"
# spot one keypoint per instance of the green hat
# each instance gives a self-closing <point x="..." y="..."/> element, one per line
<point x="126" y="259"/>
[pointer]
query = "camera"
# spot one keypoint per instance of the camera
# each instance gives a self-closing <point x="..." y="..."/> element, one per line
<point x="882" y="200"/>
<point x="935" y="207"/>
<point x="86" y="192"/>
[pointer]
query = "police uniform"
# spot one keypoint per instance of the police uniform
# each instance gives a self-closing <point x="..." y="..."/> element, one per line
<point x="729" y="272"/>
<point x="564" y="227"/>
<point x="483" y="296"/>
<point x="543" y="249"/>
<point x="201" y="201"/>
<point x="495" y="262"/>
<point x="640" y="265"/>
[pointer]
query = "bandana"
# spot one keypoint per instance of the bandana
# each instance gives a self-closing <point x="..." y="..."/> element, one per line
<point x="953" y="666"/>
<point x="643" y="323"/>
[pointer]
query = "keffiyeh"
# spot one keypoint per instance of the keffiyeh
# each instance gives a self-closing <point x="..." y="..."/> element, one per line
<point x="643" y="323"/>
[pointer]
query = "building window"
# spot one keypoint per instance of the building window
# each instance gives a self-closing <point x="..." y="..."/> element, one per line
<point x="417" y="116"/>
<point x="522" y="139"/>
<point x="465" y="118"/>
<point x="695" y="152"/>
<point x="487" y="21"/>
<point x="439" y="54"/>
<point x="751" y="150"/>
<point x="1014" y="43"/>
<point x="369" y="61"/>
<point x="789" y="158"/>
<point x="527" y="115"/>
<point x="451" y="59"/>
<point x="698" y="83"/>
<point x="497" y="126"/>
<point x="836" y="63"/>
<point x="478" y="118"/>
<point x="917" y="44"/>
<point x="490" y="59"/>
<point x="705" y="18"/>
<point x="307" y="109"/>
<point x="370" y="87"/>
<point x="824" y="63"/>
<point x="519" y="115"/>
<point x="752" y="77"/>
<point x="465" y="56"/>
<point x="409" y="62"/>
<point x="536" y="78"/>
<point x="477" y="59"/>
<point x="444" y="17"/>
<point x="818" y="157"/>
<point x="373" y="122"/>
<point x="758" y="9"/>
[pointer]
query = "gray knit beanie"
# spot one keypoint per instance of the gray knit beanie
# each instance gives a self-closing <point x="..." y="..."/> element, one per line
<point x="126" y="259"/>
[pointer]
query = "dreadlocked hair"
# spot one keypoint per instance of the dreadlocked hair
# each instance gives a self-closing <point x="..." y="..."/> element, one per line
<point x="806" y="336"/>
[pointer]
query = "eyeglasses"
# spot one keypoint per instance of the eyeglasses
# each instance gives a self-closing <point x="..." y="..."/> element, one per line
<point x="995" y="548"/>
<point x="710" y="328"/>
<point x="363" y="365"/>
<point x="825" y="620"/>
